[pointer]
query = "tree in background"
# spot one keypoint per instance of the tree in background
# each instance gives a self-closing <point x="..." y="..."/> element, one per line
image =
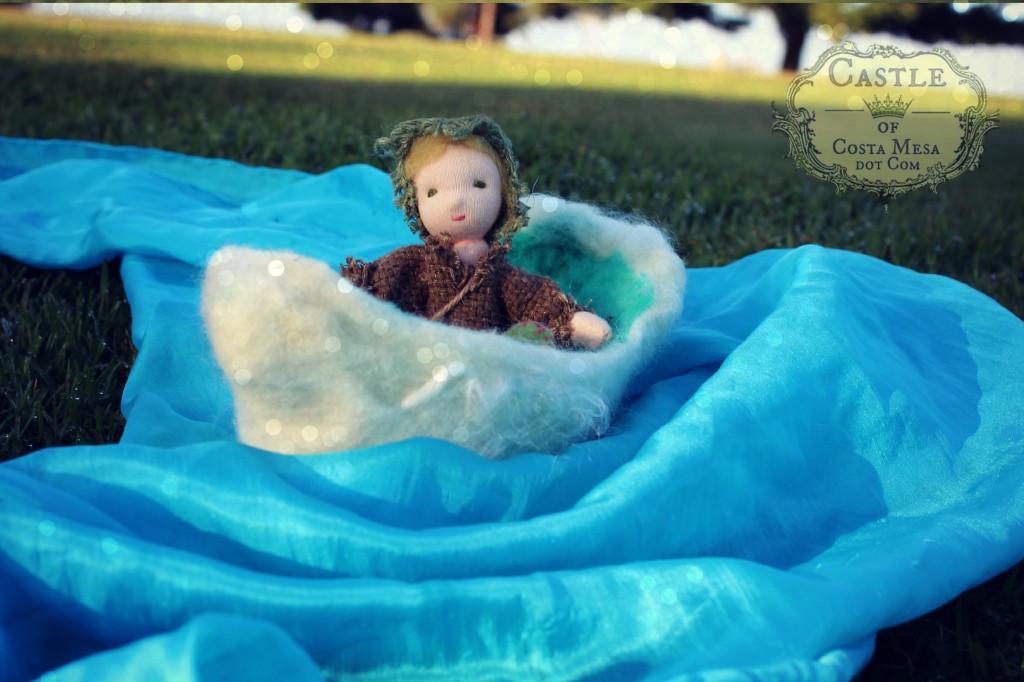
<point x="486" y="20"/>
<point x="379" y="17"/>
<point x="441" y="20"/>
<point x="794" y="22"/>
<point x="931" y="23"/>
<point x="927" y="23"/>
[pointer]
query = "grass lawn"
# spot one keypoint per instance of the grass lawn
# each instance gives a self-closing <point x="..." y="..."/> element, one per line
<point x="690" y="150"/>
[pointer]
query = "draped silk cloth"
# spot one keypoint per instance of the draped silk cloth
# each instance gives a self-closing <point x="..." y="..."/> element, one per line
<point x="826" y="445"/>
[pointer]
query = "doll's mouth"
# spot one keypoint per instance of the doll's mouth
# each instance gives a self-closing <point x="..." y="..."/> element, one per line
<point x="458" y="218"/>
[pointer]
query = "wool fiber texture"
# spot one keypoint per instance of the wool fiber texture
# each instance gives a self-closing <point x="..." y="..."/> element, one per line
<point x="317" y="365"/>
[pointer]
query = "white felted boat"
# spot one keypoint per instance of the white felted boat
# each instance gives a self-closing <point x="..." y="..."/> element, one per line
<point x="316" y="365"/>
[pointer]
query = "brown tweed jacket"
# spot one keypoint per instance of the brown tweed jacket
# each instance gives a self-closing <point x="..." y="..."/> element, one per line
<point x="431" y="281"/>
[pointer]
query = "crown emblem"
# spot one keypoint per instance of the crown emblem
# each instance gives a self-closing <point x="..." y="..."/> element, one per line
<point x="888" y="107"/>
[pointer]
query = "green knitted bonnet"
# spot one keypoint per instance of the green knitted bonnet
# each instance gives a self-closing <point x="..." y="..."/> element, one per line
<point x="394" y="149"/>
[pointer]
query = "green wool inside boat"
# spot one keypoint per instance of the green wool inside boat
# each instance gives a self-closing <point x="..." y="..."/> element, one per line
<point x="609" y="286"/>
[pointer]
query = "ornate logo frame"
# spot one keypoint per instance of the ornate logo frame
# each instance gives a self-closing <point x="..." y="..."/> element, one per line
<point x="800" y="123"/>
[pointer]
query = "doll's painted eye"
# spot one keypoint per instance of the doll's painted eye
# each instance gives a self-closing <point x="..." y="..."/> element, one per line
<point x="431" y="192"/>
<point x="479" y="184"/>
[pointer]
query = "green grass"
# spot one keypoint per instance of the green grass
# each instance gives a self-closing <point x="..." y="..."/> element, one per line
<point x="67" y="352"/>
<point x="690" y="150"/>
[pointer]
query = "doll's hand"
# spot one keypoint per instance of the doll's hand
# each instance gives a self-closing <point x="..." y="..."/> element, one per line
<point x="590" y="331"/>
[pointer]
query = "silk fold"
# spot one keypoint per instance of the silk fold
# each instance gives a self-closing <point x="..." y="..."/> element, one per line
<point x="826" y="445"/>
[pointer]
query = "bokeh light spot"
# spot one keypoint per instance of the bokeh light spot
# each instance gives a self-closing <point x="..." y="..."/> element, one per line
<point x="574" y="77"/>
<point x="424" y="355"/>
<point x="87" y="42"/>
<point x="60" y="8"/>
<point x="233" y="22"/>
<point x="824" y="32"/>
<point x="380" y="326"/>
<point x="235" y="62"/>
<point x="325" y="50"/>
<point x="542" y="77"/>
<point x="421" y="67"/>
<point x="109" y="546"/>
<point x="441" y="350"/>
<point x="549" y="204"/>
<point x="519" y="71"/>
<point x="311" y="61"/>
<point x="273" y="427"/>
<point x="169" y="486"/>
<point x="345" y="286"/>
<point x="294" y="24"/>
<point x="332" y="344"/>
<point x="694" y="574"/>
<point x="577" y="366"/>
<point x="440" y="374"/>
<point x="275" y="268"/>
<point x="309" y="433"/>
<point x="242" y="376"/>
<point x="473" y="43"/>
<point x="456" y="368"/>
<point x="335" y="435"/>
<point x="226" y="278"/>
<point x="667" y="60"/>
<point x="669" y="596"/>
<point x="47" y="527"/>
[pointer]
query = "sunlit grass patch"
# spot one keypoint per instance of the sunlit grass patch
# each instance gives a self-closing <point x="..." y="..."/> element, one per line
<point x="410" y="58"/>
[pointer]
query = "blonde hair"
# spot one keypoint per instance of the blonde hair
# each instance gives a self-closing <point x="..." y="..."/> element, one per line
<point x="427" y="148"/>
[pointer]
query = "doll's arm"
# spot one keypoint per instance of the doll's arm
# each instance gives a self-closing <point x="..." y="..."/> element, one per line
<point x="359" y="272"/>
<point x="532" y="298"/>
<point x="393" y="277"/>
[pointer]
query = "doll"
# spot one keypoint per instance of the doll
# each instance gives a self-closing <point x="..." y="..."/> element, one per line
<point x="456" y="180"/>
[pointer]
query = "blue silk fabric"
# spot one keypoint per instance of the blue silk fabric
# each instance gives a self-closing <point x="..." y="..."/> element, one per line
<point x="826" y="446"/>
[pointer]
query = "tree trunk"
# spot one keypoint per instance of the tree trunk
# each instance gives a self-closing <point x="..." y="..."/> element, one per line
<point x="794" y="22"/>
<point x="486" y="22"/>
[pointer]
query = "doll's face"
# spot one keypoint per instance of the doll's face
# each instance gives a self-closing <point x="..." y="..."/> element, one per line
<point x="459" y="192"/>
